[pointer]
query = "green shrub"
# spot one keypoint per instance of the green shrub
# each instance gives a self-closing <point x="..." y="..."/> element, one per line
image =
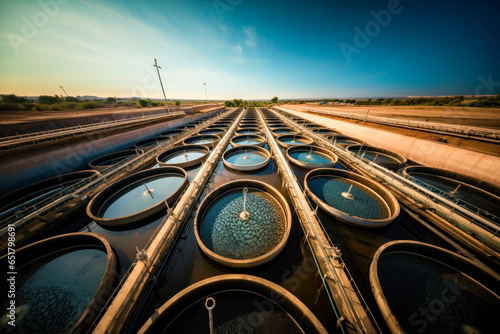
<point x="177" y="103"/>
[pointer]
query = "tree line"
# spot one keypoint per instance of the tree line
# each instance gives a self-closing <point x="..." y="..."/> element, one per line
<point x="48" y="102"/>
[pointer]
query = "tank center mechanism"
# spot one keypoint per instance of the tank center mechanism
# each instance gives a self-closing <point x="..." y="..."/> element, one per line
<point x="245" y="215"/>
<point x="348" y="194"/>
<point x="148" y="191"/>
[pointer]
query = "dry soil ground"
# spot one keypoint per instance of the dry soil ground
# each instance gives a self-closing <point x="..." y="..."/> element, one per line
<point x="465" y="116"/>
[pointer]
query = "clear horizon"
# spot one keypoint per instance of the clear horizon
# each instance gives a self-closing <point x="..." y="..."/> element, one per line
<point x="250" y="49"/>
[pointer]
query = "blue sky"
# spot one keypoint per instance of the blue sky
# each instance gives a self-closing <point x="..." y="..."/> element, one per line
<point x="250" y="49"/>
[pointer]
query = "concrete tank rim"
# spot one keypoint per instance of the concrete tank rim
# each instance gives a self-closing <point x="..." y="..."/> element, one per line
<point x="186" y="164"/>
<point x="246" y="263"/>
<point x="286" y="146"/>
<point x="234" y="282"/>
<point x="311" y="165"/>
<point x="257" y="137"/>
<point x="386" y="196"/>
<point x="109" y="277"/>
<point x="290" y="130"/>
<point x="258" y="132"/>
<point x="100" y="199"/>
<point x="246" y="167"/>
<point x="411" y="245"/>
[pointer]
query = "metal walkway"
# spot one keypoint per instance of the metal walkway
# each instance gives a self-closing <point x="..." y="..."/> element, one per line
<point x="142" y="271"/>
<point x="476" y="222"/>
<point x="353" y="314"/>
<point x="81" y="191"/>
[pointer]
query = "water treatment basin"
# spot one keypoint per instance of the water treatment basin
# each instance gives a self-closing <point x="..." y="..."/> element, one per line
<point x="345" y="141"/>
<point x="249" y="131"/>
<point x="423" y="288"/>
<point x="62" y="284"/>
<point x="137" y="196"/>
<point x="206" y="140"/>
<point x="146" y="144"/>
<point x="184" y="156"/>
<point x="385" y="158"/>
<point x="246" y="158"/>
<point x="351" y="198"/>
<point x="114" y="158"/>
<point x="243" y="223"/>
<point x="248" y="140"/>
<point x="311" y="157"/>
<point x="287" y="141"/>
<point x="238" y="304"/>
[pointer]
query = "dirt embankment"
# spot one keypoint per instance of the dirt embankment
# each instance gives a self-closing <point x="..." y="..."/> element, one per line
<point x="384" y="111"/>
<point x="485" y="117"/>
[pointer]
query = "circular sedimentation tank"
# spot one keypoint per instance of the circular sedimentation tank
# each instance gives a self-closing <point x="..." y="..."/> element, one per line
<point x="137" y="196"/>
<point x="278" y="131"/>
<point x="474" y="193"/>
<point x="249" y="131"/>
<point x="146" y="144"/>
<point x="287" y="141"/>
<point x="311" y="157"/>
<point x="243" y="224"/>
<point x="420" y="287"/>
<point x="39" y="191"/>
<point x="111" y="159"/>
<point x="351" y="198"/>
<point x="388" y="159"/>
<point x="236" y="302"/>
<point x="183" y="156"/>
<point x="62" y="283"/>
<point x="171" y="133"/>
<point x="246" y="158"/>
<point x="213" y="131"/>
<point x="345" y="141"/>
<point x="248" y="140"/>
<point x="244" y="127"/>
<point x="206" y="140"/>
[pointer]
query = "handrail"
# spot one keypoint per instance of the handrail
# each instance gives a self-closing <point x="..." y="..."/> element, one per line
<point x="434" y="126"/>
<point x="27" y="215"/>
<point x="34" y="137"/>
<point x="119" y="304"/>
<point x="329" y="253"/>
<point x="477" y="217"/>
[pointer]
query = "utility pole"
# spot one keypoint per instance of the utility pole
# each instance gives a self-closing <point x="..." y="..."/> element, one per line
<point x="161" y="83"/>
<point x="64" y="91"/>
<point x="206" y="97"/>
<point x="366" y="116"/>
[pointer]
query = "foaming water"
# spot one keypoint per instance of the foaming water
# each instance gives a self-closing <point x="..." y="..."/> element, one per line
<point x="224" y="233"/>
<point x="246" y="158"/>
<point x="311" y="157"/>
